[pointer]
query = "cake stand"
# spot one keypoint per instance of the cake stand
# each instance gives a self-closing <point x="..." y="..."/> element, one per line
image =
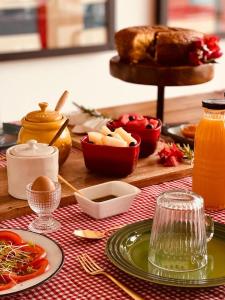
<point x="148" y="74"/>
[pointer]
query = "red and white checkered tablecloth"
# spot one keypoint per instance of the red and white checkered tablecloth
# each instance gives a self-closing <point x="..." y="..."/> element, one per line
<point x="73" y="283"/>
<point x="2" y="159"/>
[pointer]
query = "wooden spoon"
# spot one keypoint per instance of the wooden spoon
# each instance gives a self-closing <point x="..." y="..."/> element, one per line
<point x="59" y="132"/>
<point x="68" y="184"/>
<point x="61" y="101"/>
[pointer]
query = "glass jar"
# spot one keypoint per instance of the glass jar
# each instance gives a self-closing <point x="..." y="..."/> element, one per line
<point x="209" y="157"/>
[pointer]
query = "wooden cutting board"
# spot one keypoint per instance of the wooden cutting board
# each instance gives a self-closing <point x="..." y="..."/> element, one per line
<point x="148" y="172"/>
<point x="76" y="140"/>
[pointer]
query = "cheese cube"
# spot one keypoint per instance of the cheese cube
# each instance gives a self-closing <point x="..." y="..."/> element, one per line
<point x="95" y="137"/>
<point x="111" y="141"/>
<point x="105" y="130"/>
<point x="125" y="135"/>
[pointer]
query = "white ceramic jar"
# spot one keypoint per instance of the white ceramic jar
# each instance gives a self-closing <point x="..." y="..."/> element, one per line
<point x="26" y="162"/>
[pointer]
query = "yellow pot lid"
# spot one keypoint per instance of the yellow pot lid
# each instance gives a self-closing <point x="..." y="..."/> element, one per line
<point x="43" y="115"/>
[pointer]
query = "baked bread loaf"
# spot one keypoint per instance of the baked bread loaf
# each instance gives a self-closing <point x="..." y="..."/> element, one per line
<point x="160" y="45"/>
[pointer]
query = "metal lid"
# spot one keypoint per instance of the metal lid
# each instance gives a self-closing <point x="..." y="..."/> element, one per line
<point x="43" y="115"/>
<point x="31" y="149"/>
<point x="217" y="104"/>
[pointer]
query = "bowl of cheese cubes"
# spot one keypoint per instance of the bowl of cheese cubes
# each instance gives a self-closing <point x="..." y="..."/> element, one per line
<point x="148" y="128"/>
<point x="111" y="153"/>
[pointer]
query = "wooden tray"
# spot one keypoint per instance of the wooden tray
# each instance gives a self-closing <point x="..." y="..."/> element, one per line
<point x="76" y="140"/>
<point x="148" y="172"/>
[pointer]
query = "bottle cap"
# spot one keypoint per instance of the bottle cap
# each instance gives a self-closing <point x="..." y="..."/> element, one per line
<point x="217" y="104"/>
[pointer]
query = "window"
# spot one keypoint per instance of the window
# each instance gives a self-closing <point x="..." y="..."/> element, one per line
<point x="204" y="15"/>
<point x="37" y="28"/>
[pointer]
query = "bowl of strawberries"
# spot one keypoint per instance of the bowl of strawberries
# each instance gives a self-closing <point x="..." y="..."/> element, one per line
<point x="148" y="128"/>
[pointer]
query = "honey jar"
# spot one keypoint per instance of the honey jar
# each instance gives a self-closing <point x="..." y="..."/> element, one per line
<point x="42" y="125"/>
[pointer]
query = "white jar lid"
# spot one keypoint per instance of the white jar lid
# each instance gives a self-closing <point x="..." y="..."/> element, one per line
<point x="32" y="148"/>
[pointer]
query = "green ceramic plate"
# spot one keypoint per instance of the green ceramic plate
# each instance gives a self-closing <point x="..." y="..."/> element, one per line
<point x="127" y="249"/>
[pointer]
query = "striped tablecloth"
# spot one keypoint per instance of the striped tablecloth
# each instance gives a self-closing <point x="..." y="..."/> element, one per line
<point x="73" y="283"/>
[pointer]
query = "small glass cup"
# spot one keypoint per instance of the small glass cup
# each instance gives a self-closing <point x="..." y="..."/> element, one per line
<point x="44" y="203"/>
<point x="180" y="232"/>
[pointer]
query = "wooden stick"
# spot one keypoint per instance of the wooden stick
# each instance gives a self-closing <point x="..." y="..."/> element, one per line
<point x="59" y="132"/>
<point x="68" y="184"/>
<point x="61" y="101"/>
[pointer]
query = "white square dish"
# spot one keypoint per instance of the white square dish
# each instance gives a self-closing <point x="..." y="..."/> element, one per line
<point x="124" y="194"/>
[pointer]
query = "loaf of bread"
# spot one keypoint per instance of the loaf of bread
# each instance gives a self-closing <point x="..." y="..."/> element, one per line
<point x="160" y="45"/>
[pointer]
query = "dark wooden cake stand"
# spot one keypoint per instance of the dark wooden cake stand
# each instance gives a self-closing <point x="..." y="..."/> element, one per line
<point x="161" y="77"/>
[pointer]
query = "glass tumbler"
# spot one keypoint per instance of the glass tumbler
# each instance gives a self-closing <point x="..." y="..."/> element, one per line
<point x="180" y="232"/>
<point x="44" y="203"/>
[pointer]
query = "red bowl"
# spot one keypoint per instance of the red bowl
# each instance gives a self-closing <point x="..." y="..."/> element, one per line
<point x="108" y="160"/>
<point x="149" y="137"/>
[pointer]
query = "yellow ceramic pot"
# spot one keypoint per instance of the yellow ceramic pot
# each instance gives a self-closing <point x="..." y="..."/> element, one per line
<point x="42" y="125"/>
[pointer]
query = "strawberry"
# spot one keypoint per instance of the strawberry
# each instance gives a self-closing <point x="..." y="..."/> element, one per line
<point x="170" y="155"/>
<point x="214" y="55"/>
<point x="164" y="153"/>
<point x="212" y="42"/>
<point x="204" y="50"/>
<point x="124" y="119"/>
<point x="171" y="162"/>
<point x="177" y="152"/>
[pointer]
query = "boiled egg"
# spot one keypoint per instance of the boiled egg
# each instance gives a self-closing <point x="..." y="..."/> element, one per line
<point x="43" y="184"/>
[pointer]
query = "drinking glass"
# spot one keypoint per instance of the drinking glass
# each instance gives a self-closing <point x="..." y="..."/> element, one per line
<point x="44" y="203"/>
<point x="199" y="274"/>
<point x="180" y="232"/>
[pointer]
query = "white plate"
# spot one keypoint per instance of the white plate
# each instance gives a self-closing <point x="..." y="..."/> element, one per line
<point x="55" y="257"/>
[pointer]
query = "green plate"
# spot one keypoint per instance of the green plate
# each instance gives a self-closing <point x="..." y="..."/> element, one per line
<point x="127" y="249"/>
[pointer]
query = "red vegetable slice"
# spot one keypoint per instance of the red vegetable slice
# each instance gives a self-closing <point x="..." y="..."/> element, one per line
<point x="36" y="252"/>
<point x="6" y="282"/>
<point x="32" y="270"/>
<point x="28" y="261"/>
<point x="10" y="236"/>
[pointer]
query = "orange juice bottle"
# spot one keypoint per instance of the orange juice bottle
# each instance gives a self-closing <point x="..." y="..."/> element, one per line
<point x="209" y="155"/>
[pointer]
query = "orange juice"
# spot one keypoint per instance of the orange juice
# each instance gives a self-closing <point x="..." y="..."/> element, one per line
<point x="209" y="155"/>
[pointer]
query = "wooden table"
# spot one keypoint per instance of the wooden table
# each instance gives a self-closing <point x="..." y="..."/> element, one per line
<point x="146" y="173"/>
<point x="178" y="109"/>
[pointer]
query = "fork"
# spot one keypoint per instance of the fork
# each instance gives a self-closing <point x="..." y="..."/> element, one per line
<point x="92" y="268"/>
